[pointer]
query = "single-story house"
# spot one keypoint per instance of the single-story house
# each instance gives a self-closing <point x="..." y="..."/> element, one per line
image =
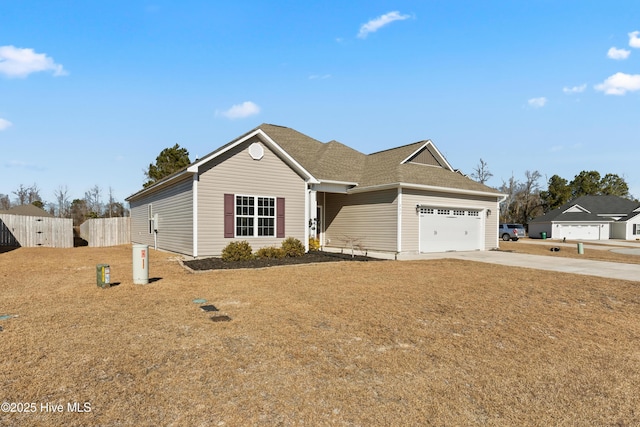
<point x="274" y="182"/>
<point x="590" y="218"/>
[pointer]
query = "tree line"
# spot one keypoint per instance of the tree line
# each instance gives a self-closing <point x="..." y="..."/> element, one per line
<point x="93" y="205"/>
<point x="526" y="199"/>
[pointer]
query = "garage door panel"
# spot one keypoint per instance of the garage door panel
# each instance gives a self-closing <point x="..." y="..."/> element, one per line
<point x="444" y="230"/>
<point x="580" y="231"/>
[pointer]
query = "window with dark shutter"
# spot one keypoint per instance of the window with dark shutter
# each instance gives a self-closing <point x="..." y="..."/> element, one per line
<point x="228" y="215"/>
<point x="280" y="217"/>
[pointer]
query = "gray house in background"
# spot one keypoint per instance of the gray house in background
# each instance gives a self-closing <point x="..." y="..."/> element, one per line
<point x="274" y="182"/>
<point x="590" y="218"/>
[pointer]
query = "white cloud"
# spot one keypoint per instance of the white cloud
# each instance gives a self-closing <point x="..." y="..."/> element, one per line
<point x="634" y="39"/>
<point x="614" y="53"/>
<point x="620" y="84"/>
<point x="18" y="164"/>
<point x="240" y="111"/>
<point x="17" y="62"/>
<point x="319" y="76"/>
<point x="537" y="102"/>
<point x="5" y="124"/>
<point x="375" y="24"/>
<point x="575" y="89"/>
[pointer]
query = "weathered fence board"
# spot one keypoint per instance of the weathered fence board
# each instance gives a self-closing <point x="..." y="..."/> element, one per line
<point x="6" y="236"/>
<point x="33" y="231"/>
<point x="101" y="232"/>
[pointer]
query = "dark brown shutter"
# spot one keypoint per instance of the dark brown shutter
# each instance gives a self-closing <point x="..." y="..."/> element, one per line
<point x="280" y="217"/>
<point x="229" y="215"/>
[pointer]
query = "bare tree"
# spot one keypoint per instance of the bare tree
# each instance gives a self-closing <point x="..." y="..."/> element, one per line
<point x="111" y="202"/>
<point x="27" y="195"/>
<point x="523" y="201"/>
<point x="530" y="197"/>
<point x="93" y="199"/>
<point x="62" y="198"/>
<point x="5" y="202"/>
<point x="34" y="195"/>
<point x="22" y="195"/>
<point x="481" y="172"/>
<point x="114" y="208"/>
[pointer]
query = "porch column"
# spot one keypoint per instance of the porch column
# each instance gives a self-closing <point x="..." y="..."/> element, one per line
<point x="312" y="213"/>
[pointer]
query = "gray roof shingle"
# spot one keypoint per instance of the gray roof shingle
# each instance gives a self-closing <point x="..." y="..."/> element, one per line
<point x="336" y="161"/>
<point x="598" y="207"/>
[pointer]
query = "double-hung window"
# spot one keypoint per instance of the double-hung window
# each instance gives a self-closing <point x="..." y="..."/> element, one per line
<point x="255" y="216"/>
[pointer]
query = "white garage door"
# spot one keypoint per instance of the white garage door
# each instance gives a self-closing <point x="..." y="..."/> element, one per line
<point x="450" y="229"/>
<point x="580" y="231"/>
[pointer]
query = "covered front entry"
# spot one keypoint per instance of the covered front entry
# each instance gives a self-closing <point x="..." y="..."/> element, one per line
<point x="450" y="229"/>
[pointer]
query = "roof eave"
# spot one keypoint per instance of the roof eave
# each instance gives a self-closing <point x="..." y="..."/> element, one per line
<point x="438" y="189"/>
<point x="160" y="184"/>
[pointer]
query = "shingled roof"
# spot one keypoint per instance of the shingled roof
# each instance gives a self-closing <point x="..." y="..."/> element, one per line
<point x="334" y="161"/>
<point x="27" y="210"/>
<point x="591" y="208"/>
<point x="337" y="162"/>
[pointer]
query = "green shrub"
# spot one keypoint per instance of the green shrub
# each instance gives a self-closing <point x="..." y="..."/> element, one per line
<point x="293" y="247"/>
<point x="237" y="251"/>
<point x="270" y="252"/>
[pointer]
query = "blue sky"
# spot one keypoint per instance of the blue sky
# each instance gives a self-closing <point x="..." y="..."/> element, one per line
<point x="92" y="91"/>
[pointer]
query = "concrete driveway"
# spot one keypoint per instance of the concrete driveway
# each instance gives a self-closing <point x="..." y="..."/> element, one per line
<point x="612" y="270"/>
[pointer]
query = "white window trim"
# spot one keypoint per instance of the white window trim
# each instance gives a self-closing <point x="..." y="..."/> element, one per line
<point x="255" y="216"/>
<point x="150" y="217"/>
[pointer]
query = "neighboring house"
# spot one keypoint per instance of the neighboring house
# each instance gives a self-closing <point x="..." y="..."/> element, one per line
<point x="590" y="218"/>
<point x="274" y="182"/>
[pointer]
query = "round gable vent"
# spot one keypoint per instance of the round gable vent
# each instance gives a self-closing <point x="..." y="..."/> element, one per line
<point x="256" y="151"/>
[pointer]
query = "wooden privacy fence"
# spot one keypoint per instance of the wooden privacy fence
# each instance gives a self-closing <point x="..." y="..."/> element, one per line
<point x="33" y="231"/>
<point x="101" y="232"/>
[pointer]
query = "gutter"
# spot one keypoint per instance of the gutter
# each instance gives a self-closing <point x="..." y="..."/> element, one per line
<point x="161" y="184"/>
<point x="437" y="189"/>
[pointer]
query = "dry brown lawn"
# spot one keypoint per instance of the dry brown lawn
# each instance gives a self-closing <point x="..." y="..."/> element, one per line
<point x="538" y="248"/>
<point x="441" y="342"/>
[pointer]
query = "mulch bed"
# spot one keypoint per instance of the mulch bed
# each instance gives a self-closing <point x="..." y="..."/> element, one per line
<point x="308" y="258"/>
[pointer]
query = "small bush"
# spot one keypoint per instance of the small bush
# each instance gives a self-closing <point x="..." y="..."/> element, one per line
<point x="270" y="252"/>
<point x="314" y="244"/>
<point x="237" y="251"/>
<point x="293" y="247"/>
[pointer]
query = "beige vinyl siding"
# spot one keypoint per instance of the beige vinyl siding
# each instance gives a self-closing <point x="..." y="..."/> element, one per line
<point x="425" y="157"/>
<point x="235" y="172"/>
<point x="174" y="206"/>
<point x="369" y="217"/>
<point x="411" y="218"/>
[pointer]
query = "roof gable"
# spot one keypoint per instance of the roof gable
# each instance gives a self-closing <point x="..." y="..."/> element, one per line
<point x="428" y="154"/>
<point x="576" y="209"/>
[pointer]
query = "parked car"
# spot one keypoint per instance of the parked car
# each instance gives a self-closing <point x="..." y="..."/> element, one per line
<point x="511" y="231"/>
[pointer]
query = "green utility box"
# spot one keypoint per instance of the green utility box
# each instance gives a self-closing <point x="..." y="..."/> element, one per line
<point x="544" y="235"/>
<point x="103" y="275"/>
